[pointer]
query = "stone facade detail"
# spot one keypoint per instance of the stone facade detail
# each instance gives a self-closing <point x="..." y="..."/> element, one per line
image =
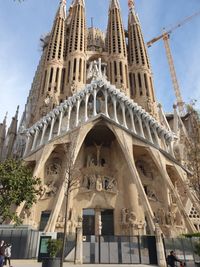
<point x="95" y="92"/>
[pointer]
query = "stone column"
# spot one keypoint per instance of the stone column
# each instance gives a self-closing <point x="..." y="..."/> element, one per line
<point x="51" y="129"/>
<point x="132" y="121"/>
<point x="79" y="245"/>
<point x="68" y="118"/>
<point x="86" y="107"/>
<point x="60" y="122"/>
<point x="56" y="206"/>
<point x="77" y="112"/>
<point x="156" y="136"/>
<point x="35" y="139"/>
<point x="160" y="247"/>
<point x="141" y="127"/>
<point x="27" y="144"/>
<point x="43" y="132"/>
<point x="106" y="103"/>
<point x="163" y="142"/>
<point x="115" y="110"/>
<point x="124" y="115"/>
<point x="95" y="103"/>
<point x="148" y="131"/>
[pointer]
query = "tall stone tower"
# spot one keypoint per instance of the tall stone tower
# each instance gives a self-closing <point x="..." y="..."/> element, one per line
<point x="76" y="49"/>
<point x="140" y="74"/>
<point x="116" y="48"/>
<point x="51" y="86"/>
<point x="95" y="104"/>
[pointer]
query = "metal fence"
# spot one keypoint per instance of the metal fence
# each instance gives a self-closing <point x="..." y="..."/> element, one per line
<point x="119" y="249"/>
<point x="184" y="249"/>
<point x="24" y="241"/>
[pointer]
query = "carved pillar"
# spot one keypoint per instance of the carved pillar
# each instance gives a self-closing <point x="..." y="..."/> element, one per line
<point x="124" y="115"/>
<point x="35" y="139"/>
<point x="51" y="129"/>
<point x="160" y="247"/>
<point x="132" y="121"/>
<point x="79" y="245"/>
<point x="60" y="122"/>
<point x="68" y="118"/>
<point x="163" y="142"/>
<point x="171" y="150"/>
<point x="86" y="106"/>
<point x="148" y="131"/>
<point x="156" y="136"/>
<point x="27" y="144"/>
<point x="115" y="109"/>
<point x="95" y="102"/>
<point x="43" y="132"/>
<point x="140" y="126"/>
<point x="50" y="227"/>
<point x="77" y="112"/>
<point x="106" y="103"/>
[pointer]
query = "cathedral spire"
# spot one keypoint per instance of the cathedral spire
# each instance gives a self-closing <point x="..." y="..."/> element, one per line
<point x="116" y="47"/>
<point x="11" y="135"/>
<point x="114" y="4"/>
<point x="62" y="9"/>
<point x="140" y="75"/>
<point x="75" y="74"/>
<point x="54" y="56"/>
<point x="131" y="4"/>
<point x="2" y="135"/>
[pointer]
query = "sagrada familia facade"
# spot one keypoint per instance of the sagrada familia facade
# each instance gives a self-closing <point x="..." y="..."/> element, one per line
<point x="92" y="102"/>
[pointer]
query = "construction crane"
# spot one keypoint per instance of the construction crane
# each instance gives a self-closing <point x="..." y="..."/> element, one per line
<point x="165" y="36"/>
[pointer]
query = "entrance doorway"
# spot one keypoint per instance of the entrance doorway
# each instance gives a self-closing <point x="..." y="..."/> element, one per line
<point x="98" y="222"/>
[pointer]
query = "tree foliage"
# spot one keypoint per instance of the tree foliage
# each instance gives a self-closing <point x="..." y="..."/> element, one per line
<point x="53" y="247"/>
<point x="17" y="185"/>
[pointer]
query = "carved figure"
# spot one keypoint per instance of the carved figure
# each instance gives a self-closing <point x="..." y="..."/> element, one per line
<point x="98" y="148"/>
<point x="132" y="218"/>
<point x="109" y="184"/>
<point x="48" y="190"/>
<point x="161" y="216"/>
<point x="53" y="169"/>
<point x="151" y="194"/>
<point x="171" y="216"/>
<point x="73" y="87"/>
<point x="124" y="216"/>
<point x="60" y="222"/>
<point x="94" y="70"/>
<point x="99" y="186"/>
<point x="91" y="160"/>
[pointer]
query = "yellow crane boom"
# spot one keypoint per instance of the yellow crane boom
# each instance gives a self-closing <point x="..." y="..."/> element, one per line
<point x="165" y="37"/>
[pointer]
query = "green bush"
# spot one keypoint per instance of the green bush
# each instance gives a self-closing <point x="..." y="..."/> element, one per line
<point x="54" y="246"/>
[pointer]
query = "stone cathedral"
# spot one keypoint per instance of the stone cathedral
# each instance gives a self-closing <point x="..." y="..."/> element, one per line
<point x="94" y="92"/>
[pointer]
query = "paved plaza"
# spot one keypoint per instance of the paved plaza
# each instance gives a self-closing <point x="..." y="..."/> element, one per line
<point x="34" y="263"/>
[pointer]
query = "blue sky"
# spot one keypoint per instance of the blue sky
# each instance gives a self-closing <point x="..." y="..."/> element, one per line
<point x="21" y="26"/>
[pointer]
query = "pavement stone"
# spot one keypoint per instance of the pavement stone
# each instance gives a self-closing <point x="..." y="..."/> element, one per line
<point x="34" y="263"/>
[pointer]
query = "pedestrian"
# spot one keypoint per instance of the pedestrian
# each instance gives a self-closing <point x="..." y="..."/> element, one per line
<point x="8" y="254"/>
<point x="2" y="252"/>
<point x="171" y="259"/>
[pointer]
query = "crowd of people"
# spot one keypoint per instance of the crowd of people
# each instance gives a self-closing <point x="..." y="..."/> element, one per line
<point x="5" y="254"/>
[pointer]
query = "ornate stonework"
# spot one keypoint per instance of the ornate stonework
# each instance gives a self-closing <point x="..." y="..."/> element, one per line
<point x="130" y="167"/>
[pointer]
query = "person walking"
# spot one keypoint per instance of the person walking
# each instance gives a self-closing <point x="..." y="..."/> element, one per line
<point x="8" y="254"/>
<point x="172" y="259"/>
<point x="2" y="252"/>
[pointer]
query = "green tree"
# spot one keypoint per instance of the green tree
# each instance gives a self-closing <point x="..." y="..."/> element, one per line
<point x="17" y="186"/>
